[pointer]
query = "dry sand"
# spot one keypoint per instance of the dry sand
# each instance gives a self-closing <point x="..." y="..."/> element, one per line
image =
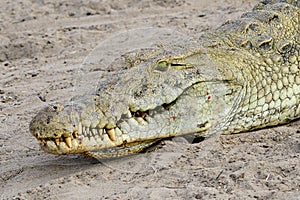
<point x="57" y="49"/>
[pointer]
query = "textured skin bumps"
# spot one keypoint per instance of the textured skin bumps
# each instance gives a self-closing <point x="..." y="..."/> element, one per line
<point x="268" y="43"/>
<point x="241" y="77"/>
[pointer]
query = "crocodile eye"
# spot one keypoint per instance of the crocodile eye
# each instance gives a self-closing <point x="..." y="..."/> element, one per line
<point x="162" y="66"/>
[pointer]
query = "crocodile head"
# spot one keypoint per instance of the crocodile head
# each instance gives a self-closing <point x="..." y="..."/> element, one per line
<point x="242" y="77"/>
<point x="155" y="97"/>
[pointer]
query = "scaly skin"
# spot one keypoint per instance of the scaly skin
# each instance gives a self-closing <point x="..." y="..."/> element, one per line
<point x="242" y="77"/>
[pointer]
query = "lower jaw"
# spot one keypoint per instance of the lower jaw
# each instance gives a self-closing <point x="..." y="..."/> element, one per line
<point x="77" y="147"/>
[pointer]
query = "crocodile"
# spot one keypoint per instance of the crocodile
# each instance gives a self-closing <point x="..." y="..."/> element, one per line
<point x="241" y="77"/>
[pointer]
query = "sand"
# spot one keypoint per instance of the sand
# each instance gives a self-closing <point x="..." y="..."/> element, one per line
<point x="53" y="50"/>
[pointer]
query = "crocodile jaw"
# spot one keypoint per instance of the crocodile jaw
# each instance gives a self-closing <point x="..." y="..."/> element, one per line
<point x="88" y="124"/>
<point x="65" y="130"/>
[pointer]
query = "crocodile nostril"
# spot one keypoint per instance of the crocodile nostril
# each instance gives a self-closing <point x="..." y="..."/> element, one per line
<point x="35" y="133"/>
<point x="56" y="107"/>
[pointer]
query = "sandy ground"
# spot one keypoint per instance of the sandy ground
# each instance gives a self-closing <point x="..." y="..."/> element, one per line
<point x="53" y="50"/>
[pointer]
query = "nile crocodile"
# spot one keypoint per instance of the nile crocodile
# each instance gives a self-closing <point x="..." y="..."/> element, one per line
<point x="241" y="77"/>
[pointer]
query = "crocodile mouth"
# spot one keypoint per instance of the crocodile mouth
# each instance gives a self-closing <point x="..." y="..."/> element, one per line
<point x="106" y="142"/>
<point x="66" y="130"/>
<point x="78" y="140"/>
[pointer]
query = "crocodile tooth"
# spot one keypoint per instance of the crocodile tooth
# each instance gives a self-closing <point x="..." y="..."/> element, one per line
<point x="68" y="142"/>
<point x="112" y="134"/>
<point x="57" y="142"/>
<point x="129" y="114"/>
<point x="89" y="132"/>
<point x="94" y="131"/>
<point x="99" y="131"/>
<point x="143" y="115"/>
<point x="86" y="132"/>
<point x="79" y="128"/>
<point x="83" y="130"/>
